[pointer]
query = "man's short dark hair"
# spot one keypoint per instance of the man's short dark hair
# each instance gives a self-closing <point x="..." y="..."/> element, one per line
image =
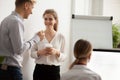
<point x="20" y="2"/>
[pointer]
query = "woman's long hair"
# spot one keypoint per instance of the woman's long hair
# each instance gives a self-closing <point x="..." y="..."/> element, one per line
<point x="82" y="49"/>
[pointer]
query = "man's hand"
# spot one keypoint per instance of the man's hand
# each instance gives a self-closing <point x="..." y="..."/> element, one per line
<point x="41" y="34"/>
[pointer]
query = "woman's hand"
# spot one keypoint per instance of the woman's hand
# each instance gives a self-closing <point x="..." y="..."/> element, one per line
<point x="52" y="51"/>
<point x="42" y="52"/>
<point x="48" y="50"/>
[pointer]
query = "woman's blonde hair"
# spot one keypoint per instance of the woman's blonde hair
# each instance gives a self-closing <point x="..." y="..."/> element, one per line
<point x="54" y="14"/>
<point x="82" y="49"/>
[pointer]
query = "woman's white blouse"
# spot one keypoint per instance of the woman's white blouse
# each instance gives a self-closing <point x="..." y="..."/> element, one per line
<point x="58" y="42"/>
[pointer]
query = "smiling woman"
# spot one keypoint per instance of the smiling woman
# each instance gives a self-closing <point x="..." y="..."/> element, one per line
<point x="49" y="51"/>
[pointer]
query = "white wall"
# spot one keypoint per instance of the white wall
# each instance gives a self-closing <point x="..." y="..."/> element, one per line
<point x="87" y="7"/>
<point x="35" y="23"/>
<point x="6" y="6"/>
<point x="96" y="7"/>
<point x="80" y="7"/>
<point x="111" y="8"/>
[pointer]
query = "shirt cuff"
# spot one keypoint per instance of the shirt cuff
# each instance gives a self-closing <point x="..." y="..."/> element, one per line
<point x="34" y="40"/>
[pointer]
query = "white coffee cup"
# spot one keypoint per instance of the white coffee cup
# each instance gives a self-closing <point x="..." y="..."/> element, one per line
<point x="48" y="45"/>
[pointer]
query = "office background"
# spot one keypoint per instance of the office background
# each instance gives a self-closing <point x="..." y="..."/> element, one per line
<point x="105" y="63"/>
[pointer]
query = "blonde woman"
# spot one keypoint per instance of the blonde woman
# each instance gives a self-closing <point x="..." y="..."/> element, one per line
<point x="78" y="69"/>
<point x="49" y="52"/>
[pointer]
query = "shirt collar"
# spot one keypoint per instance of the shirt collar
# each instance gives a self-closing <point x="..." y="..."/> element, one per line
<point x="79" y="66"/>
<point x="15" y="13"/>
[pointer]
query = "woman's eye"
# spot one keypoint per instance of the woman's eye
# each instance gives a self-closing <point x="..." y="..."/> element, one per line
<point x="45" y="18"/>
<point x="50" y="19"/>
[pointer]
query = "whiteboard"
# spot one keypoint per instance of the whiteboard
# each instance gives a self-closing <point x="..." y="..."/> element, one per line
<point x="103" y="62"/>
<point x="96" y="29"/>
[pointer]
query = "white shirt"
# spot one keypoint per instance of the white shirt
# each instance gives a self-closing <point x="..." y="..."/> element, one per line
<point x="80" y="72"/>
<point x="58" y="42"/>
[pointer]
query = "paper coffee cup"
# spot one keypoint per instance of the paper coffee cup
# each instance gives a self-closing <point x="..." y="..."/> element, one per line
<point x="48" y="45"/>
